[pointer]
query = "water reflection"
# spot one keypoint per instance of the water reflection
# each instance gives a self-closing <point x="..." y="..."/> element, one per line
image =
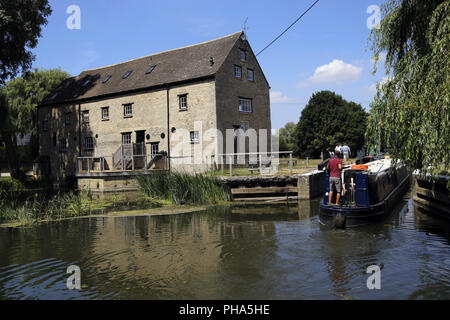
<point x="240" y="252"/>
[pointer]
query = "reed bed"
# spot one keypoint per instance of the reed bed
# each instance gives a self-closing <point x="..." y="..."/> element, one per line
<point x="29" y="209"/>
<point x="184" y="188"/>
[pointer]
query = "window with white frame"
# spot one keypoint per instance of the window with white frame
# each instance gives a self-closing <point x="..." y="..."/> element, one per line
<point x="128" y="110"/>
<point x="195" y="137"/>
<point x="67" y="118"/>
<point x="88" y="143"/>
<point x="245" y="105"/>
<point x="154" y="148"/>
<point x="243" y="55"/>
<point x="85" y="116"/>
<point x="62" y="145"/>
<point x="126" y="138"/>
<point x="105" y="113"/>
<point x="182" y="102"/>
<point x="250" y="75"/>
<point x="238" y="72"/>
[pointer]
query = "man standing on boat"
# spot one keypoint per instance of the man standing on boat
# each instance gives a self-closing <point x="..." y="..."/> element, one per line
<point x="347" y="152"/>
<point x="334" y="166"/>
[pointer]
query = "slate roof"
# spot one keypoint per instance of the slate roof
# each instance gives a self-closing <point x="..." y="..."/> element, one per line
<point x="177" y="65"/>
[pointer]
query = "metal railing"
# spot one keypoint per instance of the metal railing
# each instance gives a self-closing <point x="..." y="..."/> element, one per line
<point x="126" y="157"/>
<point x="263" y="162"/>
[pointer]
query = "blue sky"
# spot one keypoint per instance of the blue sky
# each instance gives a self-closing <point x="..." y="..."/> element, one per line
<point x="326" y="50"/>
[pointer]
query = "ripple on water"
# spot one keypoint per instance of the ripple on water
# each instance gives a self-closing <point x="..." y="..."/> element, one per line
<point x="223" y="254"/>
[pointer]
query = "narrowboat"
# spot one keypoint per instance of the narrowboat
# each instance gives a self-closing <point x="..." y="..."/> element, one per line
<point x="370" y="189"/>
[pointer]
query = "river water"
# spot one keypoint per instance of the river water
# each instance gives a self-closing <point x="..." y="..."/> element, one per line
<point x="270" y="252"/>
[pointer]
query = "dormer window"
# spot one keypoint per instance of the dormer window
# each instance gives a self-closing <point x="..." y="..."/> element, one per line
<point x="107" y="78"/>
<point x="126" y="75"/>
<point x="86" y="82"/>
<point x="149" y="70"/>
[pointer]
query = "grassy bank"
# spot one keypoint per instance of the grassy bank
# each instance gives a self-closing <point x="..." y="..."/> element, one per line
<point x="16" y="210"/>
<point x="184" y="188"/>
<point x="35" y="202"/>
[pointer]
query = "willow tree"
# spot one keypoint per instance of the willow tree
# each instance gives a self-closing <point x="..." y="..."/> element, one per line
<point x="410" y="112"/>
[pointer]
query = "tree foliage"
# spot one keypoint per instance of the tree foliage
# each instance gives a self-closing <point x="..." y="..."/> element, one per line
<point x="25" y="93"/>
<point x="326" y="120"/>
<point x="18" y="106"/>
<point x="410" y="112"/>
<point x="287" y="137"/>
<point x="21" y="24"/>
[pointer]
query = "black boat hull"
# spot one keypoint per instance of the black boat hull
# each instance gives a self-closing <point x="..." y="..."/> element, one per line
<point x="349" y="217"/>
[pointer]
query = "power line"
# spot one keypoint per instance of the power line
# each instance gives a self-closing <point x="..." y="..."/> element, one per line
<point x="288" y="27"/>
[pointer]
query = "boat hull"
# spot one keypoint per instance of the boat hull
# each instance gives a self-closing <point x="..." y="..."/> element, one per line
<point x="350" y="217"/>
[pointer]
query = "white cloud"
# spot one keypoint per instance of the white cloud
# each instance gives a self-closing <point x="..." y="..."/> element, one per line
<point x="278" y="97"/>
<point x="336" y="72"/>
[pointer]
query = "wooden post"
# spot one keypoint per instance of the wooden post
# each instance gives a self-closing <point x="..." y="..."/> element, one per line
<point x="231" y="166"/>
<point x="290" y="163"/>
<point x="307" y="161"/>
<point x="121" y="152"/>
<point x="223" y="164"/>
<point x="260" y="164"/>
<point x="132" y="157"/>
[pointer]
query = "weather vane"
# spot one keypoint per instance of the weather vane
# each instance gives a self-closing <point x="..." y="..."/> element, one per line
<point x="245" y="28"/>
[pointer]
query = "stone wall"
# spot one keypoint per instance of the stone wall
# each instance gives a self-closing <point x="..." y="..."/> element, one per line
<point x="211" y="104"/>
<point x="311" y="185"/>
<point x="149" y="113"/>
<point x="62" y="164"/>
<point x="229" y="89"/>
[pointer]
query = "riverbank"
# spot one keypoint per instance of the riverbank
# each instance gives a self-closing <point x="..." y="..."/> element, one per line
<point x="21" y="205"/>
<point x="160" y="211"/>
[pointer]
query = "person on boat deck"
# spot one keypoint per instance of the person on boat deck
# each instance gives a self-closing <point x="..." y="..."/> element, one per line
<point x="346" y="151"/>
<point x="338" y="149"/>
<point x="335" y="166"/>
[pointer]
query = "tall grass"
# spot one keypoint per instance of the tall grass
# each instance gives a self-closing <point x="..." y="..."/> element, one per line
<point x="181" y="188"/>
<point x="32" y="210"/>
